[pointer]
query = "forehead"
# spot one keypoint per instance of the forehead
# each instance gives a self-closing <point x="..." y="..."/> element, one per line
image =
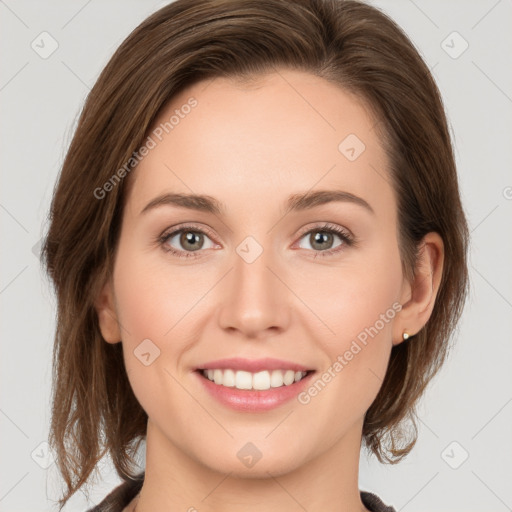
<point x="250" y="143"/>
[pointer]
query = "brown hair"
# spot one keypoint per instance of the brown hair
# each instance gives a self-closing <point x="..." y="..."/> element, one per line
<point x="349" y="43"/>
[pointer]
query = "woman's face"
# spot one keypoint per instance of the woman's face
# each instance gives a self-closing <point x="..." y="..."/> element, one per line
<point x="257" y="279"/>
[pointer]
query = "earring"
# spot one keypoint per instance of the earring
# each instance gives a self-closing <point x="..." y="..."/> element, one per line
<point x="406" y="335"/>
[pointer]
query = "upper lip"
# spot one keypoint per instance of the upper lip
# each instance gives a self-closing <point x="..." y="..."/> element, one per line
<point x="254" y="365"/>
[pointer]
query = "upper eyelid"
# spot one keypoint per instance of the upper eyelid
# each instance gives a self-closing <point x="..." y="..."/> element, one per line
<point x="326" y="226"/>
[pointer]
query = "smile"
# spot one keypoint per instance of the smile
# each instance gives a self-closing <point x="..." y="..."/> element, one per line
<point x="253" y="392"/>
<point x="260" y="381"/>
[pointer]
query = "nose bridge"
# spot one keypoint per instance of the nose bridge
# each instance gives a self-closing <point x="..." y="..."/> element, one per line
<point x="255" y="299"/>
<point x="253" y="280"/>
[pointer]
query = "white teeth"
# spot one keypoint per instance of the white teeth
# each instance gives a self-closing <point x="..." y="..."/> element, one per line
<point x="217" y="376"/>
<point x="224" y="377"/>
<point x="243" y="380"/>
<point x="229" y="378"/>
<point x="259" y="381"/>
<point x="289" y="377"/>
<point x="277" y="379"/>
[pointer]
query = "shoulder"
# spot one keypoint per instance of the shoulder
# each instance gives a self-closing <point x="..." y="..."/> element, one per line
<point x="373" y="503"/>
<point x="121" y="496"/>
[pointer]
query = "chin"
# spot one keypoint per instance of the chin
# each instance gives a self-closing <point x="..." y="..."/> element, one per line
<point x="260" y="467"/>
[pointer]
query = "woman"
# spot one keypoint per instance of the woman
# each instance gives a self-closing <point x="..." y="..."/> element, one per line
<point x="224" y="144"/>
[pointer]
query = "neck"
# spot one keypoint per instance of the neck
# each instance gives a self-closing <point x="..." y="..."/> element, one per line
<point x="177" y="480"/>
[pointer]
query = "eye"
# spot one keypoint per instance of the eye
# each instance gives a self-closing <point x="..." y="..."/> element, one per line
<point x="321" y="239"/>
<point x="190" y="238"/>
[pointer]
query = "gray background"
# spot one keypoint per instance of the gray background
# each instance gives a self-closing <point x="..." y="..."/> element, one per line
<point x="467" y="411"/>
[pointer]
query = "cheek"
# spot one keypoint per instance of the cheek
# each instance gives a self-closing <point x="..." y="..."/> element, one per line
<point x="151" y="310"/>
<point x="350" y="298"/>
<point x="356" y="361"/>
<point x="359" y="305"/>
<point x="151" y="299"/>
<point x="146" y="311"/>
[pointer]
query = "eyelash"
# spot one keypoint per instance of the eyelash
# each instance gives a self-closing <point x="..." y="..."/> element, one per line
<point x="346" y="237"/>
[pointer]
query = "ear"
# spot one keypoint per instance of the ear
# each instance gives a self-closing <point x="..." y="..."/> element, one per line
<point x="107" y="315"/>
<point x="418" y="297"/>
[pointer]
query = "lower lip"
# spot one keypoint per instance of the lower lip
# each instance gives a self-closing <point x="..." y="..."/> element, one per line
<point x="253" y="400"/>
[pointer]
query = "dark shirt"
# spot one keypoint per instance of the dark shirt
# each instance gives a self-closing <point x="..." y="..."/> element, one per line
<point x="121" y="496"/>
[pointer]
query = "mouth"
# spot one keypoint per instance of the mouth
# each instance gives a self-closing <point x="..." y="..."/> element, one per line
<point x="253" y="392"/>
<point x="253" y="381"/>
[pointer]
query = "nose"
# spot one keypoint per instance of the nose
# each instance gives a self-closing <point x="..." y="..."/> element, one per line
<point x="255" y="300"/>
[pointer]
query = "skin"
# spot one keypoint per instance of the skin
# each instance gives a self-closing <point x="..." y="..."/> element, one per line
<point x="251" y="147"/>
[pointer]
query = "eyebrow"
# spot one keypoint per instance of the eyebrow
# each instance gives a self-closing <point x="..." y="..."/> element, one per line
<point x="296" y="202"/>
